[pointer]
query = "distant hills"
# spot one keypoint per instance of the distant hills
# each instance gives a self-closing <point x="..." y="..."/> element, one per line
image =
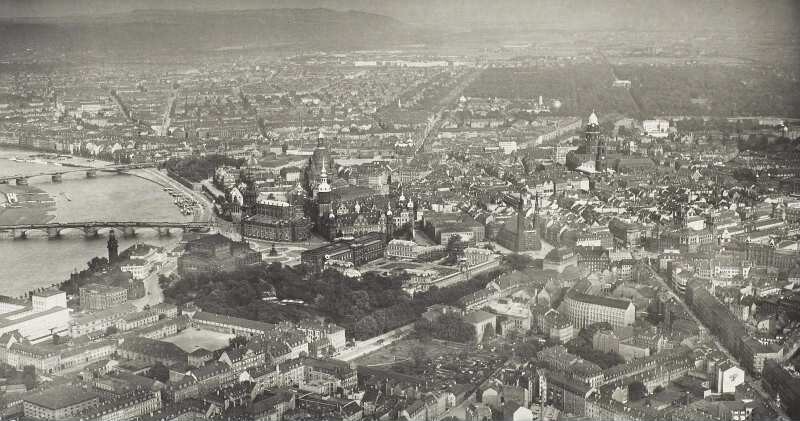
<point x="159" y="31"/>
<point x="681" y="15"/>
<point x="102" y="26"/>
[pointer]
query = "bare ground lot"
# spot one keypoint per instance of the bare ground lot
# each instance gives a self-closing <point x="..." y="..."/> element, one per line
<point x="403" y="350"/>
<point x="191" y="339"/>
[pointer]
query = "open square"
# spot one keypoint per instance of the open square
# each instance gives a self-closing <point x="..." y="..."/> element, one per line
<point x="403" y="350"/>
<point x="192" y="338"/>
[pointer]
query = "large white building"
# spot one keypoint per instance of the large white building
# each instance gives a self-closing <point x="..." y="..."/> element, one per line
<point x="585" y="309"/>
<point x="143" y="260"/>
<point x="403" y="249"/>
<point x="656" y="128"/>
<point x="728" y="378"/>
<point x="45" y="315"/>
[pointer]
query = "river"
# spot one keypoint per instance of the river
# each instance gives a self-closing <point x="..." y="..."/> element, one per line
<point x="36" y="262"/>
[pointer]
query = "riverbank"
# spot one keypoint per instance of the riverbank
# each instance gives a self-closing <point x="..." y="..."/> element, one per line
<point x="40" y="262"/>
<point x="32" y="206"/>
<point x="32" y="156"/>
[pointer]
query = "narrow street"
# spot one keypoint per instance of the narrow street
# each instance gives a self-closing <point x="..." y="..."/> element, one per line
<point x="373" y="344"/>
<point x="153" y="292"/>
<point x="460" y="411"/>
<point x="749" y="380"/>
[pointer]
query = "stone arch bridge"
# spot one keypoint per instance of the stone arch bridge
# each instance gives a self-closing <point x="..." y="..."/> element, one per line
<point x="91" y="172"/>
<point x="92" y="228"/>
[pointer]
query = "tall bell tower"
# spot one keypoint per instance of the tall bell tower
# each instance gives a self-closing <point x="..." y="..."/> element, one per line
<point x="595" y="145"/>
<point x="323" y="191"/>
<point x="113" y="246"/>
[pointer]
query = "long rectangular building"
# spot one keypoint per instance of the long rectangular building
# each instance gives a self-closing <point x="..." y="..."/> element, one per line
<point x="229" y="324"/>
<point x="38" y="320"/>
<point x="358" y="251"/>
<point x="585" y="309"/>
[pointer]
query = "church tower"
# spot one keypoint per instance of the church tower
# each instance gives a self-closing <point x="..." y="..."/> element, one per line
<point x="112" y="246"/>
<point x="519" y="238"/>
<point x="592" y="134"/>
<point x="323" y="191"/>
<point x="389" y="224"/>
<point x="595" y="146"/>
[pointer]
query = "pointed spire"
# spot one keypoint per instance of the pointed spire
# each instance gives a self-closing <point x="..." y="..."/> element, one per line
<point x="593" y="121"/>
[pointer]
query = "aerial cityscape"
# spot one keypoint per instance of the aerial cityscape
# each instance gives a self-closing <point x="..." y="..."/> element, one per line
<point x="302" y="210"/>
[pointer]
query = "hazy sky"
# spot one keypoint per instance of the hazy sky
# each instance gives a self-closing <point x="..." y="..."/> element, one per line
<point x="732" y="14"/>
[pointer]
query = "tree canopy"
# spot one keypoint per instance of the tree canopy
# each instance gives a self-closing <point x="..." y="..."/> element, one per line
<point x="366" y="307"/>
<point x="159" y="372"/>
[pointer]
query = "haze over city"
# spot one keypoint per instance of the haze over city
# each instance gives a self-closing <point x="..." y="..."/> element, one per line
<point x="399" y="210"/>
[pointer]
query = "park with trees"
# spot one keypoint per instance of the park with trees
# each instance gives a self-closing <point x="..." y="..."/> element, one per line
<point x="365" y="307"/>
<point x="196" y="169"/>
<point x="716" y="90"/>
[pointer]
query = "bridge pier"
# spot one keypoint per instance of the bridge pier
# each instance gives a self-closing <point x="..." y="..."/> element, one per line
<point x="22" y="181"/>
<point x="93" y="229"/>
<point x="91" y="173"/>
<point x="57" y="178"/>
<point x="52" y="233"/>
<point x="11" y="234"/>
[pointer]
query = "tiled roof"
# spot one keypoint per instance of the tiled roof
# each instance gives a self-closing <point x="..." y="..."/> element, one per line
<point x="598" y="300"/>
<point x="61" y="397"/>
<point x="233" y="321"/>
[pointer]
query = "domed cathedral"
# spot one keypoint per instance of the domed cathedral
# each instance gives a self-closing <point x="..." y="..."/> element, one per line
<point x="519" y="234"/>
<point x="321" y="157"/>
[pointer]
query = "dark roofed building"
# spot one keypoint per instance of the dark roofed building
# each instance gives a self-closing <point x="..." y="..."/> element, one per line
<point x="359" y="250"/>
<point x="594" y="258"/>
<point x="519" y="233"/>
<point x="559" y="259"/>
<point x="152" y="350"/>
<point x="59" y="403"/>
<point x="216" y="252"/>
<point x="230" y="324"/>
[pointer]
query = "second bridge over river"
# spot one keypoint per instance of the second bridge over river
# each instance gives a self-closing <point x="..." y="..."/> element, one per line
<point x="57" y="176"/>
<point x="93" y="228"/>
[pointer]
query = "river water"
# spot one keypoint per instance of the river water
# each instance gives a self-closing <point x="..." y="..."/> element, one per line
<point x="36" y="262"/>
